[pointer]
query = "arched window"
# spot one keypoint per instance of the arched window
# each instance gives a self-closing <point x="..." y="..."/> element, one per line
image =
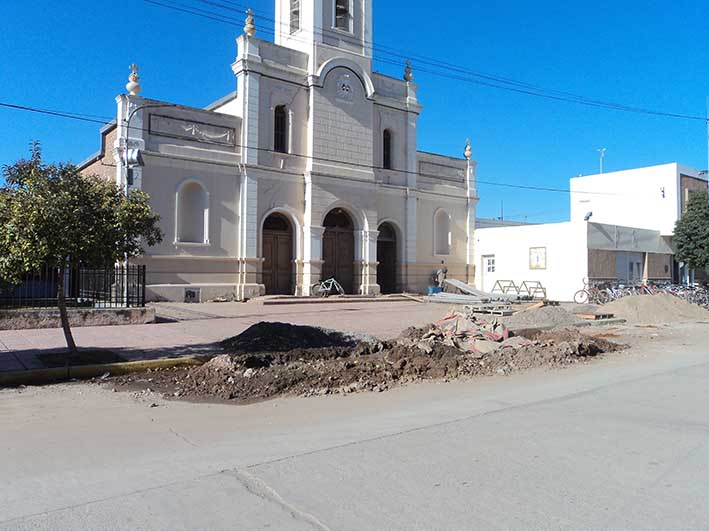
<point x="280" y="129"/>
<point x="386" y="149"/>
<point x="294" y="15"/>
<point x="342" y="15"/>
<point x="442" y="233"/>
<point x="192" y="215"/>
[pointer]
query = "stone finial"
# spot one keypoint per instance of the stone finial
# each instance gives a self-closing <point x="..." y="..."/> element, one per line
<point x="468" y="150"/>
<point x="133" y="87"/>
<point x="408" y="72"/>
<point x="250" y="26"/>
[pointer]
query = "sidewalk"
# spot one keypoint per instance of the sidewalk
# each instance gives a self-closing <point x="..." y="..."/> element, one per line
<point x="193" y="329"/>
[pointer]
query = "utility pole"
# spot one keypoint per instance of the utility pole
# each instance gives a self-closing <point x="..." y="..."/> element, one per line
<point x="602" y="151"/>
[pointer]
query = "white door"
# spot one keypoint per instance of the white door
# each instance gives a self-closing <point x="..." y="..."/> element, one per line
<point x="487" y="272"/>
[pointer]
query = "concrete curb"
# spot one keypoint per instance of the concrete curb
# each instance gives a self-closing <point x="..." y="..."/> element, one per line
<point x="56" y="375"/>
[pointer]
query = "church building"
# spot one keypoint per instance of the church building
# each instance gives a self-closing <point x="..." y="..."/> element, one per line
<point x="309" y="170"/>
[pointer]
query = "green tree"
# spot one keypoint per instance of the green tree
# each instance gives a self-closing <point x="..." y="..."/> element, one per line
<point x="52" y="215"/>
<point x="691" y="238"/>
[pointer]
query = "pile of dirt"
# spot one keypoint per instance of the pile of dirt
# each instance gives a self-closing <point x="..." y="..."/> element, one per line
<point x="455" y="347"/>
<point x="545" y="317"/>
<point x="282" y="337"/>
<point x="661" y="308"/>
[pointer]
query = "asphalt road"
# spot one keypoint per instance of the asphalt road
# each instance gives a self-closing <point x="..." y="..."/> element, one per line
<point x="617" y="444"/>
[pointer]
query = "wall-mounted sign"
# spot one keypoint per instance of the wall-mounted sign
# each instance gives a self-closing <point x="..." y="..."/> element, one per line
<point x="537" y="258"/>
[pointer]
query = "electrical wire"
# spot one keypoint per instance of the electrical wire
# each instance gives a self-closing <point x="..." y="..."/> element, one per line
<point x="73" y="116"/>
<point x="496" y="82"/>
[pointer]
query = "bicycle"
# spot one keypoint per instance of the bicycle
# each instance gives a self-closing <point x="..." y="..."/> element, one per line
<point x="326" y="288"/>
<point x="591" y="294"/>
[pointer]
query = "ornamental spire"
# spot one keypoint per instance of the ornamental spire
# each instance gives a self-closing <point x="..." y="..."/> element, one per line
<point x="133" y="87"/>
<point x="250" y="26"/>
<point x="408" y="72"/>
<point x="468" y="150"/>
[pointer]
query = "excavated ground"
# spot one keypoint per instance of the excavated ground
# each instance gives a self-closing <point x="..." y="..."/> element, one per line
<point x="273" y="359"/>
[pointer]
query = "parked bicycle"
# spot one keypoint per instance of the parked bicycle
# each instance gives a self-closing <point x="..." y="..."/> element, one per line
<point x="592" y="294"/>
<point x="608" y="291"/>
<point x="326" y="288"/>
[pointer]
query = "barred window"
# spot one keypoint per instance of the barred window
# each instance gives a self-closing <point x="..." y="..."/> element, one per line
<point x="386" y="149"/>
<point x="294" y="15"/>
<point x="342" y="15"/>
<point x="280" y="129"/>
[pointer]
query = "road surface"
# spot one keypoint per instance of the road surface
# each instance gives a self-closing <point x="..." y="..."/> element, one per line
<point x="617" y="444"/>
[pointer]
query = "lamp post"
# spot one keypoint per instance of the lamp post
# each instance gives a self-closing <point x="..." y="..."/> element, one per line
<point x="132" y="157"/>
<point x="602" y="151"/>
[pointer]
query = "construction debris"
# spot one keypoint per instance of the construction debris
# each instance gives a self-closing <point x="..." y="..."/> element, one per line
<point x="272" y="359"/>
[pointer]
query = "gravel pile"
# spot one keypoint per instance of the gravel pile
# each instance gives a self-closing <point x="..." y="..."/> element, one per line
<point x="545" y="317"/>
<point x="662" y="308"/>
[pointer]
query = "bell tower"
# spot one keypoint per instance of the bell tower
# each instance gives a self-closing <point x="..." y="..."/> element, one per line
<point x="343" y="24"/>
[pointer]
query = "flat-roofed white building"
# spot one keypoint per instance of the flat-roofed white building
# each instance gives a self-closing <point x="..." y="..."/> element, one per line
<point x="650" y="198"/>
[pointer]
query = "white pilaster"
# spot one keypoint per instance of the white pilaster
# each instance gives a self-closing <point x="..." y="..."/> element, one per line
<point x="472" y="201"/>
<point x="128" y="137"/>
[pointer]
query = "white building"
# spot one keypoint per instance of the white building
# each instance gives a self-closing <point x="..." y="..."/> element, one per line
<point x="649" y="198"/>
<point x="563" y="255"/>
<point x="620" y="230"/>
<point x="311" y="169"/>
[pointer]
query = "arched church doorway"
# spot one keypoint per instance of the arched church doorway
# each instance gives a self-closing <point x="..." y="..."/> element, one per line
<point x="278" y="255"/>
<point x="386" y="256"/>
<point x="339" y="249"/>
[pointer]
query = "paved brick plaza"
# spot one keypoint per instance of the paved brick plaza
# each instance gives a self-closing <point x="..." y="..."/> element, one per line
<point x="192" y="329"/>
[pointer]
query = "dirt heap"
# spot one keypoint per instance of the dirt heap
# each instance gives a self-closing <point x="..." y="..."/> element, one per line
<point x="456" y="346"/>
<point x="656" y="309"/>
<point x="545" y="317"/>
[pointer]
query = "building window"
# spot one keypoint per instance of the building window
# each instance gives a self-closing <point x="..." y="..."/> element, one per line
<point x="442" y="233"/>
<point x="342" y="15"/>
<point x="280" y="129"/>
<point x="192" y="214"/>
<point x="294" y="15"/>
<point x="386" y="149"/>
<point x="489" y="264"/>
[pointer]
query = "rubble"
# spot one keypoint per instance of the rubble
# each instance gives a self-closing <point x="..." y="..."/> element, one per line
<point x="273" y="359"/>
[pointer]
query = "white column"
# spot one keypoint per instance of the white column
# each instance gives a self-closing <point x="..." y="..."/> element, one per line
<point x="366" y="246"/>
<point x="312" y="241"/>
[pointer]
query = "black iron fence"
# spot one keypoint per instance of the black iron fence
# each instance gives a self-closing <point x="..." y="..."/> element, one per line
<point x="114" y="287"/>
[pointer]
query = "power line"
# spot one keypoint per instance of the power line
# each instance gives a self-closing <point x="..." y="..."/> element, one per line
<point x="74" y="116"/>
<point x="496" y="82"/>
<point x="62" y="114"/>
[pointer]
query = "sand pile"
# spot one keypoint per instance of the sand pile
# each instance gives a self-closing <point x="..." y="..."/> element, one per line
<point x="546" y="317"/>
<point x="656" y="309"/>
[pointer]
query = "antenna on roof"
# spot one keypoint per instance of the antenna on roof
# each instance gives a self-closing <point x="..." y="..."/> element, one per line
<point x="602" y="151"/>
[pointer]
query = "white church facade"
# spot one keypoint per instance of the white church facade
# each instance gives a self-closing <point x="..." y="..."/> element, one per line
<point x="310" y="170"/>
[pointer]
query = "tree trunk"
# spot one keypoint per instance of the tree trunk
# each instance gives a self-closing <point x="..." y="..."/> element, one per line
<point x="61" y="300"/>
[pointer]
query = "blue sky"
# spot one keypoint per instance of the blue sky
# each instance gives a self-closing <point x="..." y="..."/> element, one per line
<point x="73" y="56"/>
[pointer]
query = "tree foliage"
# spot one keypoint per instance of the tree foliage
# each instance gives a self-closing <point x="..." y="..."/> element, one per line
<point x="52" y="215"/>
<point x="691" y="238"/>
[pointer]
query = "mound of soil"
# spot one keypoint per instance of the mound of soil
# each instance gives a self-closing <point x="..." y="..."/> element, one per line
<point x="545" y="317"/>
<point x="282" y="337"/>
<point x="265" y="370"/>
<point x="656" y="309"/>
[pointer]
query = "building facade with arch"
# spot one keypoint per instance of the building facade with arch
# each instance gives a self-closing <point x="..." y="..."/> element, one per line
<point x="309" y="170"/>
